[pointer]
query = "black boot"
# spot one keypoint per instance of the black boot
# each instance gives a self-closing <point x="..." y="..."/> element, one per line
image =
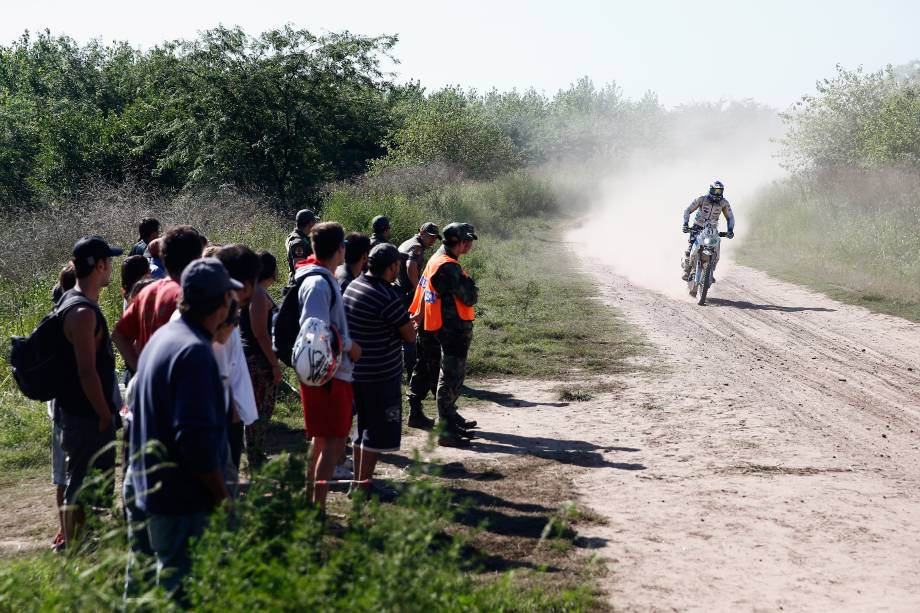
<point x="466" y="424"/>
<point x="452" y="439"/>
<point x="417" y="417"/>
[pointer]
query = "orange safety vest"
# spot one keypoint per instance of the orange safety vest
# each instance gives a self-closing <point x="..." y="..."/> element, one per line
<point x="427" y="298"/>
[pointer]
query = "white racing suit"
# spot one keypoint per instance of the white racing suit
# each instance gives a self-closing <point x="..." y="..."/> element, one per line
<point x="707" y="210"/>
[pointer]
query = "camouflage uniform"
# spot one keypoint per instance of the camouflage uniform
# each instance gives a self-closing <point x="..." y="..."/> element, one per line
<point x="441" y="361"/>
<point x="298" y="248"/>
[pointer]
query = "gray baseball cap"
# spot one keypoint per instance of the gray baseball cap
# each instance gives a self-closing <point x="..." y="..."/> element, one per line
<point x="430" y="229"/>
<point x="383" y="255"/>
<point x="205" y="280"/>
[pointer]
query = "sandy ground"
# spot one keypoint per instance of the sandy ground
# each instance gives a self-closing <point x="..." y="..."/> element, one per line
<point x="766" y="457"/>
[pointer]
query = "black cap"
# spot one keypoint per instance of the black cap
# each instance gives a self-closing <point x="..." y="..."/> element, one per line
<point x="205" y="280"/>
<point x="91" y="249"/>
<point x="380" y="223"/>
<point x="382" y="255"/>
<point x="430" y="229"/>
<point x="306" y="217"/>
<point x="457" y="231"/>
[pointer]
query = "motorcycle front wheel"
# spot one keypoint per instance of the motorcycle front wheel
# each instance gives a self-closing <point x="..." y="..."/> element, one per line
<point x="704" y="284"/>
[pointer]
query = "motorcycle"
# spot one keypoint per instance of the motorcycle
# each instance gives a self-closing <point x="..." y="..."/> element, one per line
<point x="702" y="261"/>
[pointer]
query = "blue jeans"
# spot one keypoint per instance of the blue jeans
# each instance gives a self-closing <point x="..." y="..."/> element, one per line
<point x="138" y="540"/>
<point x="169" y="538"/>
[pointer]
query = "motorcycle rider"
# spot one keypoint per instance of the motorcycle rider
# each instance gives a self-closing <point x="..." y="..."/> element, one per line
<point x="708" y="207"/>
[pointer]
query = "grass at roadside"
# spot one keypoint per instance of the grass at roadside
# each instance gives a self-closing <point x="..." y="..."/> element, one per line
<point x="872" y="300"/>
<point x="843" y="239"/>
<point x="536" y="318"/>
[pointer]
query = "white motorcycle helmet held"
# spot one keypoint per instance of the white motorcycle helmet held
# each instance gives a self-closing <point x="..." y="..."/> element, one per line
<point x="317" y="352"/>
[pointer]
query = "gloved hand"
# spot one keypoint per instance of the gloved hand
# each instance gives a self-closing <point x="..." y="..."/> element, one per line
<point x="686" y="229"/>
<point x="730" y="234"/>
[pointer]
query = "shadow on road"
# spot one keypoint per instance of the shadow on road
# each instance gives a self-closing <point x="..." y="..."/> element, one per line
<point x="506" y="400"/>
<point x="577" y="453"/>
<point x="743" y="304"/>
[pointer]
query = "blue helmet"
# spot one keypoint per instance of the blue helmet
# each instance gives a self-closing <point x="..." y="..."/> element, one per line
<point x="716" y="189"/>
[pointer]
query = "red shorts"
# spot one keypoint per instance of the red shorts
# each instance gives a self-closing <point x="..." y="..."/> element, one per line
<point x="327" y="409"/>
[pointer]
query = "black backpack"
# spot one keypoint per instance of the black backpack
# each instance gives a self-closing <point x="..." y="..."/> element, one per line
<point x="37" y="359"/>
<point x="287" y="322"/>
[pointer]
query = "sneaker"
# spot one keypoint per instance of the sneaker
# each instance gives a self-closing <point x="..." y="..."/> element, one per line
<point x="452" y="439"/>
<point x="57" y="545"/>
<point x="466" y="424"/>
<point x="421" y="421"/>
<point x="685" y="277"/>
<point x="712" y="280"/>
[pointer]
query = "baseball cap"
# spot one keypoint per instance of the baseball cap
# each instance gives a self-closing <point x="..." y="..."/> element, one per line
<point x="460" y="232"/>
<point x="205" y="280"/>
<point x="430" y="229"/>
<point x="380" y="223"/>
<point x="306" y="217"/>
<point x="382" y="255"/>
<point x="91" y="249"/>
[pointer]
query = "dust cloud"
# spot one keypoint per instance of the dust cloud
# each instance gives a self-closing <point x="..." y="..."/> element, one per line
<point x="634" y="224"/>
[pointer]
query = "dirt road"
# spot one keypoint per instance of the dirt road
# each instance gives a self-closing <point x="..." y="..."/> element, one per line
<point x="767" y="459"/>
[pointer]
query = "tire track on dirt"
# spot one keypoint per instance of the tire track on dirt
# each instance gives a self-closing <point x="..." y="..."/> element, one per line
<point x="802" y="489"/>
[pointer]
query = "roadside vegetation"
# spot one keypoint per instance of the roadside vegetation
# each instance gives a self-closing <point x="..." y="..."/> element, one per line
<point x="846" y="220"/>
<point x="231" y="133"/>
<point x="432" y="550"/>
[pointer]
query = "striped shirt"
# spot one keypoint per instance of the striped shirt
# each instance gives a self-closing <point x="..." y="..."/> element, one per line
<point x="376" y="312"/>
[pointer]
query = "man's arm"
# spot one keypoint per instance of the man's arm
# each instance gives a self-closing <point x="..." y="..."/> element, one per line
<point x="80" y="330"/>
<point x="450" y="279"/>
<point x="690" y="209"/>
<point x="407" y="332"/>
<point x="259" y="313"/>
<point x="412" y="272"/>
<point x="125" y="333"/>
<point x="412" y="268"/>
<point x="126" y="348"/>
<point x="729" y="216"/>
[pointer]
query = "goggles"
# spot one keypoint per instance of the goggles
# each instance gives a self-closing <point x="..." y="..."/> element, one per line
<point x="716" y="191"/>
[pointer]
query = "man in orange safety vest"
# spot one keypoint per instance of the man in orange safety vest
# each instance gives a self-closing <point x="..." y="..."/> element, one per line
<point x="443" y="311"/>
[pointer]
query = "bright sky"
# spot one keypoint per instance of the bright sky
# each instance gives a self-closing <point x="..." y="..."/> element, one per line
<point x="772" y="50"/>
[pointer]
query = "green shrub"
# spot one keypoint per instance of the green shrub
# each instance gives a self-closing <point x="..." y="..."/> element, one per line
<point x="274" y="552"/>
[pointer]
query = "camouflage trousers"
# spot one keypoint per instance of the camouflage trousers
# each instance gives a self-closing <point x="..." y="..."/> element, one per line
<point x="440" y="369"/>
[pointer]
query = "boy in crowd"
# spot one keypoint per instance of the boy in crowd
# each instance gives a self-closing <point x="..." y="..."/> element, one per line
<point x="357" y="246"/>
<point x="133" y="269"/>
<point x="244" y="265"/>
<point x="66" y="280"/>
<point x="327" y="409"/>
<point x="179" y="425"/>
<point x="264" y="368"/>
<point x="147" y="230"/>
<point x="378" y="320"/>
<point x="153" y="307"/>
<point x="88" y="395"/>
<point x="153" y="252"/>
